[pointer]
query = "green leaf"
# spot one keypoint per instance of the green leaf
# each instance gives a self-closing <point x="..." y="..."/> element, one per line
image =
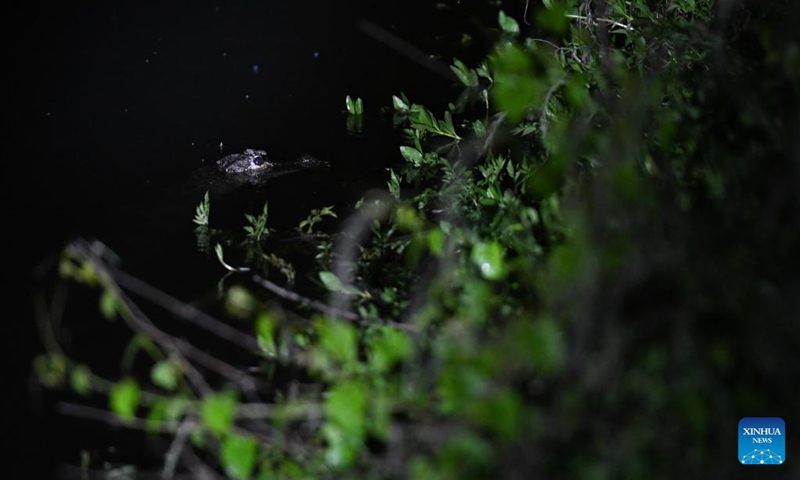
<point x="399" y="104"/>
<point x="265" y="332"/>
<point x="342" y="448"/>
<point x="333" y="284"/>
<point x="239" y="302"/>
<point x="81" y="380"/>
<point x="218" y="410"/>
<point x="390" y="347"/>
<point x="219" y="252"/>
<point x="124" y="398"/>
<point x="490" y="259"/>
<point x="354" y="123"/>
<point x="468" y="77"/>
<point x="331" y="281"/>
<point x="354" y="107"/>
<point x="394" y="184"/>
<point x="137" y="343"/>
<point x="436" y="239"/>
<point x="166" y="410"/>
<point x="51" y="369"/>
<point x="553" y="19"/>
<point x="499" y="413"/>
<point x="540" y="345"/>
<point x="346" y="406"/>
<point x="176" y="407"/>
<point x="109" y="304"/>
<point x="407" y="219"/>
<point x="381" y="407"/>
<point x="338" y="339"/>
<point x="166" y="374"/>
<point x="238" y="456"/>
<point x="508" y="24"/>
<point x="156" y="415"/>
<point x="422" y="118"/>
<point x="202" y="211"/>
<point x="466" y="452"/>
<point x="516" y="90"/>
<point x="346" y="412"/>
<point x="448" y="124"/>
<point x="412" y="155"/>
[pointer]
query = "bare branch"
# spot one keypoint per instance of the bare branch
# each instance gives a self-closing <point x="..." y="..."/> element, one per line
<point x="180" y="348"/>
<point x="99" y="415"/>
<point x="175" y="449"/>
<point x="402" y="46"/>
<point x="185" y="310"/>
<point x="322" y="307"/>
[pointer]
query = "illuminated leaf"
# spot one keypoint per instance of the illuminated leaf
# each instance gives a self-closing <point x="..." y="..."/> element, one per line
<point x="332" y="283"/>
<point x="490" y="259"/>
<point x="218" y="410"/>
<point x="338" y="339"/>
<point x="166" y="374"/>
<point x="390" y="347"/>
<point x="411" y="154"/>
<point x="238" y="456"/>
<point x="265" y="331"/>
<point x="508" y="24"/>
<point x="124" y="398"/>
<point x="81" y="380"/>
<point x="399" y="104"/>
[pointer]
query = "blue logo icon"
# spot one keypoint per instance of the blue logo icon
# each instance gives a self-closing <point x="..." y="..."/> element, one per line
<point x="762" y="441"/>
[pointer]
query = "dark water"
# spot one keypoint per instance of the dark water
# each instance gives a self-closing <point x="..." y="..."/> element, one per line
<point x="120" y="103"/>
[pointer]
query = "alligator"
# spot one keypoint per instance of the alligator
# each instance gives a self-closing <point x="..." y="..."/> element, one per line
<point x="254" y="167"/>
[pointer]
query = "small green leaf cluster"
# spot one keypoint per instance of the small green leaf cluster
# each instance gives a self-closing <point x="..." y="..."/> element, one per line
<point x="355" y="112"/>
<point x="257" y="227"/>
<point x="315" y="217"/>
<point x="203" y="211"/>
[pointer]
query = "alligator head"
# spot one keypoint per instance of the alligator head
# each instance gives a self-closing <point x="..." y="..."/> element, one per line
<point x="251" y="162"/>
<point x="255" y="168"/>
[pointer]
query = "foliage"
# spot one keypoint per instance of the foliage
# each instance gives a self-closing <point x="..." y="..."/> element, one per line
<point x="203" y="211"/>
<point x="257" y="227"/>
<point x="355" y="111"/>
<point x="316" y="216"/>
<point x="570" y="275"/>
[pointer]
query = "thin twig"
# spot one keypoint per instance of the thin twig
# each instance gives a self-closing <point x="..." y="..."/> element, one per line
<point x="169" y="343"/>
<point x="606" y="20"/>
<point x="175" y="449"/>
<point x="185" y="310"/>
<point x="48" y="319"/>
<point x="402" y="46"/>
<point x="198" y="468"/>
<point x="260" y="411"/>
<point x="308" y="302"/>
<point x="355" y="230"/>
<point x="543" y="120"/>
<point x="180" y="348"/>
<point x="135" y="423"/>
<point x="540" y="40"/>
<point x="322" y="307"/>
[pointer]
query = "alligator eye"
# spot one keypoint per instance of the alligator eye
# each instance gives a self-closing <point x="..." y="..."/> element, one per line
<point x="258" y="161"/>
